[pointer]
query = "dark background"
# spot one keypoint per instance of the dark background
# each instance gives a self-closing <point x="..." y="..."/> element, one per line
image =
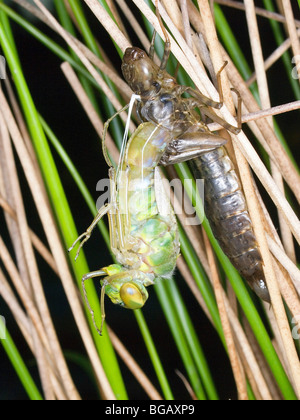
<point x="57" y="104"/>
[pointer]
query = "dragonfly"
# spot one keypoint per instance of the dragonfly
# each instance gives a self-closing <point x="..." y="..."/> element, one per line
<point x="143" y="229"/>
<point x="162" y="103"/>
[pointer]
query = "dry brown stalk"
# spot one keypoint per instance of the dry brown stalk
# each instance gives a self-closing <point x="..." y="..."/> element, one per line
<point x="36" y="241"/>
<point x="57" y="250"/>
<point x="140" y="376"/>
<point x="258" y="11"/>
<point x="70" y="41"/>
<point x="290" y="22"/>
<point x="35" y="287"/>
<point x="236" y="365"/>
<point x="89" y="109"/>
<point x="273" y="286"/>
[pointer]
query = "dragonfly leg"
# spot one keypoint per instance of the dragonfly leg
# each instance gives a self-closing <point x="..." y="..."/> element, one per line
<point x="116" y="282"/>
<point x="87" y="234"/>
<point x="215" y="118"/>
<point x="151" y="49"/>
<point x="204" y="100"/>
<point x="105" y="129"/>
<point x="234" y="130"/>
<point x="239" y="109"/>
<point x="190" y="146"/>
<point x="167" y="49"/>
<point x="205" y="104"/>
<point x="88" y="276"/>
<point x="219" y="81"/>
<point x="200" y="99"/>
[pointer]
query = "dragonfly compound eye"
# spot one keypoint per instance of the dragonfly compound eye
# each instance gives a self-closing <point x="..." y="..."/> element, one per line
<point x="131" y="296"/>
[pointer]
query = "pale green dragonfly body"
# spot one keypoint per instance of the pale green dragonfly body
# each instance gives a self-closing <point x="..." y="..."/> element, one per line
<point x="143" y="230"/>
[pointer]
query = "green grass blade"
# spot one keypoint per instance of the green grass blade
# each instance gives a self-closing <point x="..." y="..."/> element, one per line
<point x="88" y="37"/>
<point x="60" y="204"/>
<point x="286" y="57"/>
<point x="238" y="58"/>
<point x="106" y="7"/>
<point x="116" y="126"/>
<point x="243" y="298"/>
<point x="158" y="367"/>
<point x="77" y="178"/>
<point x="89" y="200"/>
<point x="103" y="343"/>
<point x="186" y="339"/>
<point x="49" y="43"/>
<point x="201" y="280"/>
<point x="193" y="342"/>
<point x="6" y="26"/>
<point x="67" y="23"/>
<point x="170" y="313"/>
<point x="19" y="365"/>
<point x="93" y="47"/>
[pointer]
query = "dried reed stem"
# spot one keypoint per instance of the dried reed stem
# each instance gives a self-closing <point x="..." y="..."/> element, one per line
<point x="273" y="286"/>
<point x="134" y="24"/>
<point x="213" y="44"/>
<point x="270" y="112"/>
<point x="88" y="107"/>
<point x="36" y="288"/>
<point x="290" y="22"/>
<point x="70" y="41"/>
<point x="264" y="130"/>
<point x="106" y="21"/>
<point x="37" y="243"/>
<point x="276" y="55"/>
<point x="266" y="103"/>
<point x="55" y="246"/>
<point x="286" y="262"/>
<point x="248" y="352"/>
<point x="237" y="369"/>
<point x="258" y="11"/>
<point x="140" y="376"/>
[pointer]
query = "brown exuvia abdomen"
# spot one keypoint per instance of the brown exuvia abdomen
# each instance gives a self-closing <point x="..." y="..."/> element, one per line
<point x="226" y="210"/>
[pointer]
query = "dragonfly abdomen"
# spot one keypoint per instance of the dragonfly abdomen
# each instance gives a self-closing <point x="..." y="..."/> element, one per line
<point x="151" y="222"/>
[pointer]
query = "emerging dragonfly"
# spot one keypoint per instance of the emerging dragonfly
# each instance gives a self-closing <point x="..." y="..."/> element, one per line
<point x="143" y="228"/>
<point x="162" y="104"/>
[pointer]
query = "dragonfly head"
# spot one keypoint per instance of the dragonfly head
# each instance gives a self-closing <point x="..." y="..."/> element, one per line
<point x="141" y="73"/>
<point x="126" y="287"/>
